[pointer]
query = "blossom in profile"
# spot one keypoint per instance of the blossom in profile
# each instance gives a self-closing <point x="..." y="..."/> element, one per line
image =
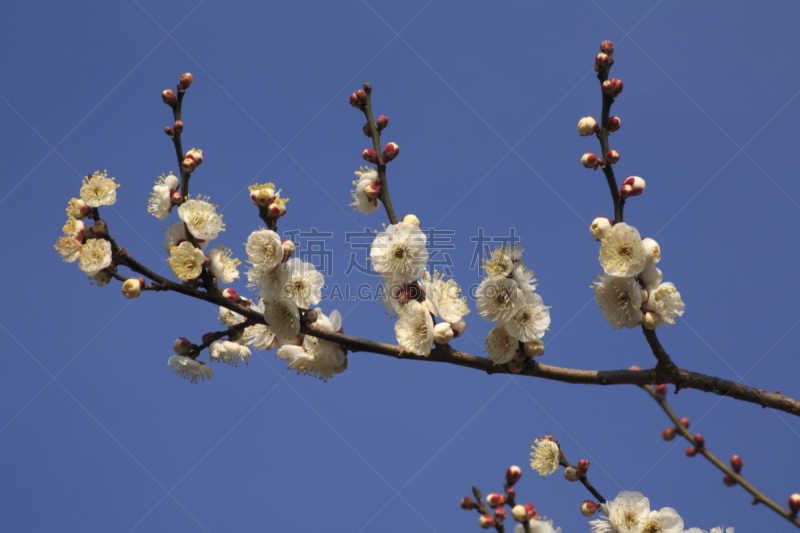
<point x="317" y="357"/>
<point x="189" y="368"/>
<point x="524" y="278"/>
<point x="229" y="352"/>
<point x="366" y="195"/>
<point x="414" y="330"/>
<point x="619" y="300"/>
<point x="186" y="261"/>
<point x="99" y="190"/>
<point x="530" y="321"/>
<point x="68" y="248"/>
<point x="201" y="218"/>
<point x="546" y="456"/>
<point x="665" y="301"/>
<point x="223" y="264"/>
<point x="176" y="234"/>
<point x="628" y="513"/>
<point x="444" y="297"/>
<point x="161" y="198"/>
<point x="500" y="346"/>
<point x="399" y="253"/>
<point x="95" y="255"/>
<point x="621" y="251"/>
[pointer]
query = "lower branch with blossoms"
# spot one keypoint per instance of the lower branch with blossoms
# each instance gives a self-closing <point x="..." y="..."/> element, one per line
<point x="630" y="292"/>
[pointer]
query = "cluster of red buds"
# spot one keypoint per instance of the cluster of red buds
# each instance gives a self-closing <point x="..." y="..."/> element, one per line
<point x="794" y="503"/>
<point x="497" y="502"/>
<point x="736" y="465"/>
<point x="192" y="160"/>
<point x="359" y="99"/>
<point x="169" y="96"/>
<point x="270" y="204"/>
<point x="380" y="124"/>
<point x="390" y="151"/>
<point x="604" y="60"/>
<point x="633" y="186"/>
<point x="612" y="87"/>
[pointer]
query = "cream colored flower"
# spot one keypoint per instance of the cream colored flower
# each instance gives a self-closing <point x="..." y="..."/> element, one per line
<point x="500" y="346"/>
<point x="190" y="369"/>
<point x="161" y="198"/>
<point x="68" y="248"/>
<point x="264" y="249"/>
<point x="229" y="352"/>
<point x="414" y="330"/>
<point x="76" y="209"/>
<point x="201" y="218"/>
<point x="304" y="286"/>
<point x="283" y="317"/>
<point x="444" y="298"/>
<point x="223" y="264"/>
<point x="186" y="261"/>
<point x="619" y="300"/>
<point x="628" y="513"/>
<point x="665" y="301"/>
<point x="546" y="456"/>
<point x="530" y="321"/>
<point x="621" y="251"/>
<point x="176" y="234"/>
<point x="498" y="299"/>
<point x="95" y="255"/>
<point x="399" y="253"/>
<point x="98" y="190"/>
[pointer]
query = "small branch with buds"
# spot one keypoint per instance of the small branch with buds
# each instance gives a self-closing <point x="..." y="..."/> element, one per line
<point x="732" y="475"/>
<point x="497" y="502"/>
<point x="578" y="473"/>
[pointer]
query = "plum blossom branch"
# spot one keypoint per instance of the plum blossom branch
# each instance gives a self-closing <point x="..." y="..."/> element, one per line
<point x="583" y="479"/>
<point x="381" y="163"/>
<point x="698" y="446"/>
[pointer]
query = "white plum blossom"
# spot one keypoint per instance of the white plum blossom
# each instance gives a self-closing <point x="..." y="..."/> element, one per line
<point x="665" y="301"/>
<point x="95" y="255"/>
<point x="229" y="352"/>
<point x="621" y="251"/>
<point x="364" y="198"/>
<point x="500" y="346"/>
<point x="651" y="275"/>
<point x="98" y="190"/>
<point x="201" y="218"/>
<point x="304" y="284"/>
<point x="399" y="253"/>
<point x="546" y="456"/>
<point x="396" y="296"/>
<point x="230" y="318"/>
<point x="175" y="234"/>
<point x="316" y="357"/>
<point x="68" y="248"/>
<point x="186" y="261"/>
<point x="498" y="299"/>
<point x="652" y="251"/>
<point x="258" y="336"/>
<point x="161" y="198"/>
<point x="524" y="278"/>
<point x="269" y="283"/>
<point x="264" y="249"/>
<point x="665" y="520"/>
<point x="501" y="261"/>
<point x="190" y="369"/>
<point x="444" y="298"/>
<point x="223" y="264"/>
<point x="530" y="321"/>
<point x="283" y="317"/>
<point x="414" y="330"/>
<point x="101" y="279"/>
<point x="619" y="300"/>
<point x="628" y="513"/>
<point x="537" y="526"/>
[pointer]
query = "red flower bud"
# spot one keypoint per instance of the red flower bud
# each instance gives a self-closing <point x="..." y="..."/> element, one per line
<point x="169" y="97"/>
<point x="366" y="130"/>
<point x="511" y="493"/>
<point x="607" y="88"/>
<point x="382" y="122"/>
<point x="601" y="62"/>
<point x="230" y="294"/>
<point x="612" y="156"/>
<point x="794" y="503"/>
<point x="169" y="131"/>
<point x="613" y="124"/>
<point x="684" y="422"/>
<point x="589" y="160"/>
<point x="188" y="164"/>
<point x="588" y="508"/>
<point x="691" y="452"/>
<point x="512" y="476"/>
<point x="361" y="95"/>
<point x="583" y="466"/>
<point x="468" y="504"/>
<point x="736" y="463"/>
<point x="500" y="513"/>
<point x="390" y="151"/>
<point x="607" y="47"/>
<point x="729" y="481"/>
<point x="186" y="80"/>
<point x="354" y="100"/>
<point x="370" y="156"/>
<point x="495" y="500"/>
<point x="661" y="390"/>
<point x="178" y="128"/>
<point x="699" y="441"/>
<point x="634" y="367"/>
<point x="486" y="521"/>
<point x="669" y="433"/>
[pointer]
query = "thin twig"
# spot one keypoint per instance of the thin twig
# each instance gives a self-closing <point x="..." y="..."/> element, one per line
<point x="376" y="143"/>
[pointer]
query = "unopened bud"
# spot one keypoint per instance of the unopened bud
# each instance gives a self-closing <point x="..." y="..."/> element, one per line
<point x="613" y="124"/>
<point x="169" y="97"/>
<point x="178" y="127"/>
<point x="589" y="160"/>
<point x="411" y="219"/>
<point x="390" y="151"/>
<point x="442" y="333"/>
<point x="583" y="466"/>
<point x="600" y="228"/>
<point x="736" y="463"/>
<point x="794" y="503"/>
<point x="511" y="493"/>
<point x="617" y="84"/>
<point x="132" y="288"/>
<point x="691" y="452"/>
<point x="181" y="346"/>
<point x="533" y="348"/>
<point x="100" y="227"/>
<point x="176" y="198"/>
<point x="651" y="250"/>
<point x="354" y="100"/>
<point x="195" y="155"/>
<point x="468" y="503"/>
<point x="651" y="275"/>
<point x="288" y="248"/>
<point x="373" y="191"/>
<point x="486" y="521"/>
<point x="169" y="131"/>
<point x="382" y="122"/>
<point x="207" y="337"/>
<point x="458" y="327"/>
<point x="699" y="441"/>
<point x="632" y="186"/>
<point x="366" y="130"/>
<point x="729" y="481"/>
<point x="500" y="514"/>
<point x="495" y="500"/>
<point x="607" y="47"/>
<point x="612" y="156"/>
<point x="188" y="165"/>
<point x="277" y="210"/>
<point x="588" y="508"/>
<point x="519" y="513"/>
<point x="669" y="433"/>
<point x="634" y="367"/>
<point x="587" y="126"/>
<point x="607" y="87"/>
<point x="230" y="294"/>
<point x="361" y="94"/>
<point x="684" y="422"/>
<point x="531" y="511"/>
<point x="370" y="156"/>
<point x="512" y="475"/>
<point x="186" y="80"/>
<point x="601" y="62"/>
<point x="571" y="474"/>
<point x="661" y="389"/>
<point x="311" y="316"/>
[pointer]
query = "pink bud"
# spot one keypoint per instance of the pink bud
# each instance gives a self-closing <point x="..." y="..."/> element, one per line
<point x="178" y="128"/>
<point x="382" y="122"/>
<point x="794" y="503"/>
<point x="617" y="85"/>
<point x="366" y="130"/>
<point x="500" y="514"/>
<point x="468" y="503"/>
<point x="169" y="97"/>
<point x="361" y="95"/>
<point x="661" y="390"/>
<point x="612" y="156"/>
<point x="691" y="452"/>
<point x="736" y="463"/>
<point x="188" y="164"/>
<point x="511" y="493"/>
<point x="230" y="294"/>
<point x="519" y="513"/>
<point x="181" y="346"/>
<point x="390" y="151"/>
<point x="684" y="422"/>
<point x="634" y="367"/>
<point x="354" y="100"/>
<point x="176" y="198"/>
<point x="632" y="186"/>
<point x="587" y="126"/>
<point x="277" y="210"/>
<point x="589" y="160"/>
<point x="531" y="510"/>
<point x="601" y="62"/>
<point x="729" y="481"/>
<point x="512" y="475"/>
<point x="207" y="337"/>
<point x="571" y="474"/>
<point x="699" y="441"/>
<point x="495" y="500"/>
<point x="370" y="156"/>
<point x="588" y="508"/>
<point x="373" y="190"/>
<point x="607" y="88"/>
<point x="186" y="80"/>
<point x="669" y="433"/>
<point x="583" y="466"/>
<point x="607" y="47"/>
<point x="169" y="131"/>
<point x="486" y="521"/>
<point x="613" y="124"/>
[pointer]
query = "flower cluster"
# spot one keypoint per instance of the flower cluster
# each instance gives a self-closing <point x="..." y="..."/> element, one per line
<point x="630" y="291"/>
<point x="506" y="297"/>
<point x="269" y="201"/>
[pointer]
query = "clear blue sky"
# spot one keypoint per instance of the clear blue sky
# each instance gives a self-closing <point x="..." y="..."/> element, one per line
<point x="483" y="100"/>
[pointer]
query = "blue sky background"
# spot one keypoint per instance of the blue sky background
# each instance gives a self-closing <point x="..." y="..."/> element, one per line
<point x="97" y="434"/>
